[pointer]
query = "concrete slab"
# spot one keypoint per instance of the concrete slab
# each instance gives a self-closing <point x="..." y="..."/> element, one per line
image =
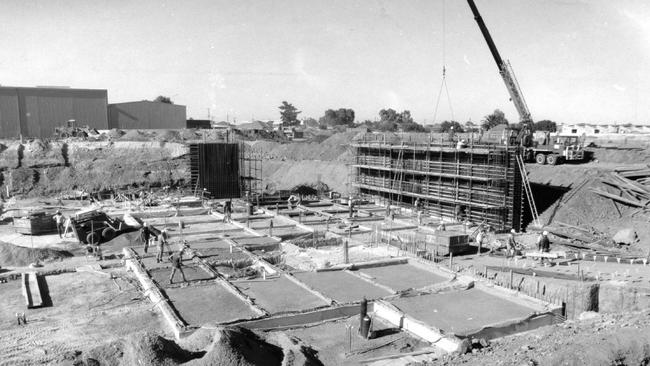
<point x="253" y="240"/>
<point x="208" y="304"/>
<point x="279" y="295"/>
<point x="341" y="286"/>
<point x="214" y="243"/>
<point x="402" y="276"/>
<point x="192" y="273"/>
<point x="218" y="254"/>
<point x="462" y="312"/>
<point x="331" y="342"/>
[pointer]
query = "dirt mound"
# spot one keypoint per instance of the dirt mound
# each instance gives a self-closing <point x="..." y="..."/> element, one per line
<point x="13" y="255"/>
<point x="606" y="340"/>
<point x="115" y="133"/>
<point x="137" y="349"/>
<point x="134" y="135"/>
<point x="187" y="134"/>
<point x="620" y="156"/>
<point x="168" y="135"/>
<point x="238" y="346"/>
<point x="152" y="349"/>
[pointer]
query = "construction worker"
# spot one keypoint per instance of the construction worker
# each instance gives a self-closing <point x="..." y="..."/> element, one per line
<point x="543" y="244"/>
<point x="177" y="264"/>
<point x="351" y="205"/>
<point x="479" y="239"/>
<point x="227" y="211"/>
<point x="161" y="240"/>
<point x="60" y="220"/>
<point x="145" y="235"/>
<point x="511" y="243"/>
<point x="293" y="201"/>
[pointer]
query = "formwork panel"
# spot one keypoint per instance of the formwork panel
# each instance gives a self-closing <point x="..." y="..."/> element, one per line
<point x="477" y="183"/>
<point x="214" y="167"/>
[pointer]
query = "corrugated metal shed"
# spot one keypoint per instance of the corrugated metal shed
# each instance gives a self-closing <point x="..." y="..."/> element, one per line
<point x="36" y="112"/>
<point x="146" y="115"/>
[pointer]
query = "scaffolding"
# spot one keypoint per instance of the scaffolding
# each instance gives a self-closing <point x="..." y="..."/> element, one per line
<point x="225" y="170"/>
<point x="476" y="183"/>
<point x="250" y="163"/>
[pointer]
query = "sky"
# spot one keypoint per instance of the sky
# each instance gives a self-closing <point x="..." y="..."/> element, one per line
<point x="576" y="61"/>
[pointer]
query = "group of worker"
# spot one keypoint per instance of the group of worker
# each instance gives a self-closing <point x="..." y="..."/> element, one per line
<point x="151" y="236"/>
<point x="512" y="247"/>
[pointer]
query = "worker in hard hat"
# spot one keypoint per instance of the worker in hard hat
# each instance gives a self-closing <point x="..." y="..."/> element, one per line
<point x="543" y="243"/>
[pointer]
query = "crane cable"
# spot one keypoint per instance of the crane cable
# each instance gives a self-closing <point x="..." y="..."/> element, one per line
<point x="444" y="71"/>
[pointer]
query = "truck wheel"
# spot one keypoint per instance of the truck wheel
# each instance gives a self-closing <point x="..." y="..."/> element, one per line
<point x="108" y="233"/>
<point x="540" y="159"/>
<point x="92" y="238"/>
<point x="551" y="159"/>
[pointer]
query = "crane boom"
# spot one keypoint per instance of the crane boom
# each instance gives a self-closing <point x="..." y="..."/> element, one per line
<point x="505" y="69"/>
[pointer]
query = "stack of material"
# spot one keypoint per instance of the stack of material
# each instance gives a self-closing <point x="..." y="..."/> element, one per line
<point x="35" y="223"/>
<point x="633" y="185"/>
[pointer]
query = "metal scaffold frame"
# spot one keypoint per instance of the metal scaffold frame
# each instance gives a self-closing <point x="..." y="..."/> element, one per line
<point x="480" y="183"/>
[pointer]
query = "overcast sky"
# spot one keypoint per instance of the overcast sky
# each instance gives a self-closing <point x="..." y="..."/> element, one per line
<point x="576" y="61"/>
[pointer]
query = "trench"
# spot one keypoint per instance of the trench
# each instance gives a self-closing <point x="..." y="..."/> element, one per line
<point x="545" y="196"/>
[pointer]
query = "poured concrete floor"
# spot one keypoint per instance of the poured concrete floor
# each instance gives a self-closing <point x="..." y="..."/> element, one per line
<point x="462" y="312"/>
<point x="279" y="295"/>
<point x="341" y="286"/>
<point x="207" y="304"/>
<point x="192" y="273"/>
<point x="402" y="276"/>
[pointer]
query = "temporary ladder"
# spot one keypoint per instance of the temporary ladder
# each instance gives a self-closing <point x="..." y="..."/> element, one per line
<point x="528" y="190"/>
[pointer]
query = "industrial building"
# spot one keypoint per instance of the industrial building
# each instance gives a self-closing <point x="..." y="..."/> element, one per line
<point x="36" y="112"/>
<point x="475" y="183"/>
<point x="146" y="115"/>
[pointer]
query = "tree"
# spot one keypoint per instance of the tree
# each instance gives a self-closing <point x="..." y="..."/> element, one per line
<point x="545" y="125"/>
<point x="496" y="118"/>
<point x="289" y="114"/>
<point x="163" y="99"/>
<point x="339" y="117"/>
<point x="412" y="127"/>
<point x="391" y="115"/>
<point x="447" y="126"/>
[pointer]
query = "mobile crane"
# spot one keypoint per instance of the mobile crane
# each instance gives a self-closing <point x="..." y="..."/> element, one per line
<point x="551" y="149"/>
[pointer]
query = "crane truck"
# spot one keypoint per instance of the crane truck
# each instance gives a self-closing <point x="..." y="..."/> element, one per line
<point x="546" y="149"/>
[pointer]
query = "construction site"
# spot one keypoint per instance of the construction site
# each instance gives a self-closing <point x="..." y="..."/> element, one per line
<point x="153" y="244"/>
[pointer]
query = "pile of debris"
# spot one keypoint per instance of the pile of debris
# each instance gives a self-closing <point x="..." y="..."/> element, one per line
<point x="632" y="184"/>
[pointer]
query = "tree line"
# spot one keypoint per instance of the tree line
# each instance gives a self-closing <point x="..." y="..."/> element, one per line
<point x="392" y="120"/>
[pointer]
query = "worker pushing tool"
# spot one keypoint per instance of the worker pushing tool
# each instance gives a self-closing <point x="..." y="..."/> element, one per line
<point x="177" y="264"/>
